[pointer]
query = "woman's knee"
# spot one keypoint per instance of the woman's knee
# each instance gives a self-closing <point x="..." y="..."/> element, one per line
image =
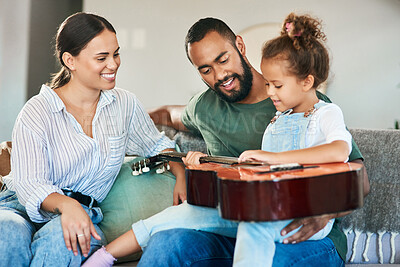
<point x="19" y="237"/>
<point x="49" y="248"/>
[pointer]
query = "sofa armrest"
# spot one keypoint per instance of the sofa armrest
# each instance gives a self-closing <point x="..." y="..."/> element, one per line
<point x="5" y="153"/>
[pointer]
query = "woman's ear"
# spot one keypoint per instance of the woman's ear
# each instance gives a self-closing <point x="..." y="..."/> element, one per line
<point x="69" y="60"/>
<point x="308" y="82"/>
<point x="240" y="45"/>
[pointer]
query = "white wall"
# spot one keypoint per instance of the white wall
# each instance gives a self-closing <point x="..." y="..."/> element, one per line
<point x="363" y="37"/>
<point x="14" y="45"/>
<point x="27" y="28"/>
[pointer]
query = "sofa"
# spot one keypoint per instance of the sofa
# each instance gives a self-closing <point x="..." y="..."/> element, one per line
<point x="372" y="231"/>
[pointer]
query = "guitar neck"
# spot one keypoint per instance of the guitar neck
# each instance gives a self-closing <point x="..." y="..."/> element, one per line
<point x="177" y="157"/>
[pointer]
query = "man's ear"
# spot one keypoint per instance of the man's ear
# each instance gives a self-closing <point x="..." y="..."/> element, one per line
<point x="308" y="82"/>
<point x="69" y="60"/>
<point x="240" y="45"/>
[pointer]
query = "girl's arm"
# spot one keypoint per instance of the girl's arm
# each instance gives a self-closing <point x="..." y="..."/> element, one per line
<point x="124" y="245"/>
<point x="337" y="151"/>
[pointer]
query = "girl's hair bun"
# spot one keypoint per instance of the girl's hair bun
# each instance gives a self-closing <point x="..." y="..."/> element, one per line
<point x="303" y="30"/>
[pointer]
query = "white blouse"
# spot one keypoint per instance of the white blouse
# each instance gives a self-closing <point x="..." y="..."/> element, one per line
<point x="51" y="151"/>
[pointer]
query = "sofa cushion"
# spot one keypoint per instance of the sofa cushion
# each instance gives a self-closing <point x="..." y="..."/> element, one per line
<point x="167" y="130"/>
<point x="133" y="198"/>
<point x="189" y="142"/>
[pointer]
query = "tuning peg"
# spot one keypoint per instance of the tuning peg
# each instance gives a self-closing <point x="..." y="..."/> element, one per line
<point x="145" y="168"/>
<point x="161" y="170"/>
<point x="135" y="172"/>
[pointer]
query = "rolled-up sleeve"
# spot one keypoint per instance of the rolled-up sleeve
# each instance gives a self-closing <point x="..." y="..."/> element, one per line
<point x="30" y="171"/>
<point x="144" y="137"/>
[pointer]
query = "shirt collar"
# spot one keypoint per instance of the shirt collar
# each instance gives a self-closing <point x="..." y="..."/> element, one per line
<point x="56" y="104"/>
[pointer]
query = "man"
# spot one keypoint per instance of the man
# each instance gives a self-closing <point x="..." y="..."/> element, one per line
<point x="231" y="116"/>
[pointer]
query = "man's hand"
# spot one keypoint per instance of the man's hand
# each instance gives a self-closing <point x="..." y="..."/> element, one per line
<point x="309" y="227"/>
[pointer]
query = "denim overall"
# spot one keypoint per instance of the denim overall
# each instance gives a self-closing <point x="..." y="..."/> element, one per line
<point x="288" y="131"/>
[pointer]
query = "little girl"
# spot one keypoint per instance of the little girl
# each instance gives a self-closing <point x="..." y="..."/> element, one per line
<point x="304" y="130"/>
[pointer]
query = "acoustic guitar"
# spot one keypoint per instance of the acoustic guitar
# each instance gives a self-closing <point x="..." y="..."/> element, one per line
<point x="253" y="191"/>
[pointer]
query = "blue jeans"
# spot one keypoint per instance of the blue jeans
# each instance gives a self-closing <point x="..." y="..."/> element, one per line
<point x="24" y="243"/>
<point x="185" y="247"/>
<point x="255" y="240"/>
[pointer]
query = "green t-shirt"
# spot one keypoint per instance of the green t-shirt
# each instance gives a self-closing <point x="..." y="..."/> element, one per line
<point x="231" y="128"/>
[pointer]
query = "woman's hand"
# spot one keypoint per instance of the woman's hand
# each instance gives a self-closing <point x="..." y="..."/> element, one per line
<point x="75" y="222"/>
<point x="193" y="157"/>
<point x="77" y="227"/>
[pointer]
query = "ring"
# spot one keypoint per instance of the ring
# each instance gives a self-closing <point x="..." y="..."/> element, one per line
<point x="80" y="235"/>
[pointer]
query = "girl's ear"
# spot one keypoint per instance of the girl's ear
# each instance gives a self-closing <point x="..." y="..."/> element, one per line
<point x="69" y="60"/>
<point x="308" y="82"/>
<point x="240" y="45"/>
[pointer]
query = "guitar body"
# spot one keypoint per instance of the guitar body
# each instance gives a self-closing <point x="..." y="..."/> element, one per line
<point x="244" y="194"/>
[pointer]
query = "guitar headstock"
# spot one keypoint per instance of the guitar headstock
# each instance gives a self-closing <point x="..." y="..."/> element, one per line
<point x="147" y="164"/>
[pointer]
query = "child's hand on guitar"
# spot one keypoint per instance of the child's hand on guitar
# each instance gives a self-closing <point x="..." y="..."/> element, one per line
<point x="257" y="155"/>
<point x="193" y="157"/>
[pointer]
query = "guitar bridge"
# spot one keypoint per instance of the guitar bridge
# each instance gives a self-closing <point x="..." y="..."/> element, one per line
<point x="285" y="167"/>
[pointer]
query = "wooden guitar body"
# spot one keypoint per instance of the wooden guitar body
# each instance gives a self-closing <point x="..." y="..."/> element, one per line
<point x="243" y="193"/>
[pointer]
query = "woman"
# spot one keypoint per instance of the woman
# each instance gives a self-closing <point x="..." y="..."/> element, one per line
<point x="69" y="142"/>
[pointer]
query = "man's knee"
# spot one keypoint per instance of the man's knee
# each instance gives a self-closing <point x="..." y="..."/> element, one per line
<point x="164" y="247"/>
<point x="187" y="247"/>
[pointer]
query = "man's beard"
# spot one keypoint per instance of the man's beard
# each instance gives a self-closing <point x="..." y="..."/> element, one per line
<point x="245" y="84"/>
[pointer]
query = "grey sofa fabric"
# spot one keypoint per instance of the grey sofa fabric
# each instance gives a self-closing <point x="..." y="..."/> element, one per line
<point x="372" y="230"/>
<point x="381" y="211"/>
<point x="186" y="141"/>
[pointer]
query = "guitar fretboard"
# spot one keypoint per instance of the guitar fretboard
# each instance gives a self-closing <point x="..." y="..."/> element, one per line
<point x="177" y="156"/>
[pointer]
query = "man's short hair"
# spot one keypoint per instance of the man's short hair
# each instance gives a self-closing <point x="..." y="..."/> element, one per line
<point x="203" y="26"/>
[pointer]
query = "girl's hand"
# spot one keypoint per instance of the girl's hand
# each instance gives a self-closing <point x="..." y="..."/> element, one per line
<point x="77" y="227"/>
<point x="257" y="155"/>
<point x="179" y="191"/>
<point x="193" y="157"/>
